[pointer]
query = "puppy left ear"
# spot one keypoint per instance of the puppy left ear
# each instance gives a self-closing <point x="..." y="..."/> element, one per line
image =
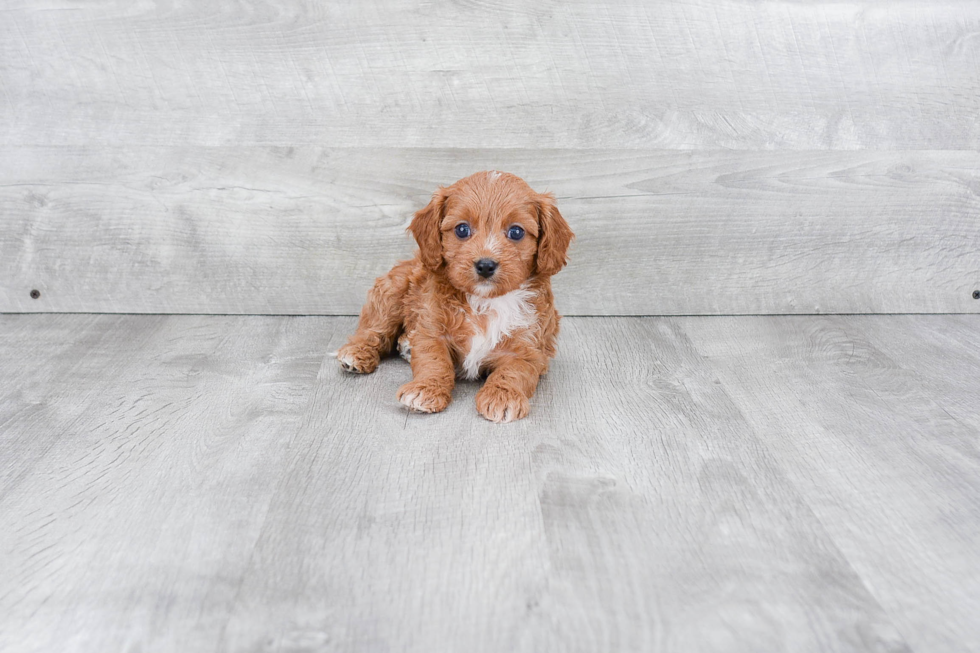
<point x="554" y="236"/>
<point x="425" y="228"/>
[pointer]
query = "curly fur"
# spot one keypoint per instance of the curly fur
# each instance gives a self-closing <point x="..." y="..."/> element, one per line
<point x="449" y="321"/>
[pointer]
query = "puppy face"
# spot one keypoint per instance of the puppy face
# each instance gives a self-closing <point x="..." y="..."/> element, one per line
<point x="490" y="232"/>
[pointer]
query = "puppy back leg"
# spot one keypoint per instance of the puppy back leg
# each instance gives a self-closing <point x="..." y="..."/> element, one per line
<point x="379" y="324"/>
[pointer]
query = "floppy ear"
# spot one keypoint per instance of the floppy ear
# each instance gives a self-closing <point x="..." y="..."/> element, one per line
<point x="425" y="227"/>
<point x="553" y="238"/>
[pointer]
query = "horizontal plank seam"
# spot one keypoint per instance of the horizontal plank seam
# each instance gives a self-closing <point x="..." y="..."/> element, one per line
<point x="475" y="148"/>
<point x="575" y="315"/>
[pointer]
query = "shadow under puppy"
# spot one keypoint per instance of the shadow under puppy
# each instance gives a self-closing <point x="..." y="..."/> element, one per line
<point x="475" y="300"/>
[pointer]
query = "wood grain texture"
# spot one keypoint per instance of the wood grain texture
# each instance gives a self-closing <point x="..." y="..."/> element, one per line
<point x="737" y="484"/>
<point x="881" y="445"/>
<point x="589" y="527"/>
<point x="145" y="508"/>
<point x="35" y="388"/>
<point x="306" y="230"/>
<point x="668" y="74"/>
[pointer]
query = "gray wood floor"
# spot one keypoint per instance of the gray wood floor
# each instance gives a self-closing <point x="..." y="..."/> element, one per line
<point x="191" y="483"/>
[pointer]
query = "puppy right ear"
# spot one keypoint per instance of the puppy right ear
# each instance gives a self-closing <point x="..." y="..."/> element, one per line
<point x="425" y="228"/>
<point x="555" y="237"/>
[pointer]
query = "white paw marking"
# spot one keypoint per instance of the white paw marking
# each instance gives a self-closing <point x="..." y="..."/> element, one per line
<point x="414" y="401"/>
<point x="346" y="361"/>
<point x="408" y="399"/>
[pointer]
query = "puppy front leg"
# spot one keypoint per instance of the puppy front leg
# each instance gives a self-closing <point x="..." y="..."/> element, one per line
<point x="433" y="376"/>
<point x="381" y="318"/>
<point x="506" y="394"/>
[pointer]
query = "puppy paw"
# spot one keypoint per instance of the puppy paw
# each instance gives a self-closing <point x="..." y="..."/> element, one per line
<point x="425" y="397"/>
<point x="499" y="404"/>
<point x="358" y="358"/>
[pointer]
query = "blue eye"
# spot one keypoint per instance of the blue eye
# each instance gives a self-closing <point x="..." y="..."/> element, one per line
<point x="515" y="233"/>
<point x="462" y="230"/>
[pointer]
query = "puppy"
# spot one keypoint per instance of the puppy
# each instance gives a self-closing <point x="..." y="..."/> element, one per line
<point x="476" y="299"/>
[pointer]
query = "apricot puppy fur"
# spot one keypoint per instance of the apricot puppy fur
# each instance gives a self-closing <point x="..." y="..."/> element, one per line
<point x="475" y="300"/>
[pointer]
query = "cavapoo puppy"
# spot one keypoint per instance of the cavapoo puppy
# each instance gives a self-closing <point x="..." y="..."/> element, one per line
<point x="475" y="300"/>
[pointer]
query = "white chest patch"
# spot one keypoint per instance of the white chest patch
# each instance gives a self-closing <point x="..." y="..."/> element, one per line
<point x="505" y="315"/>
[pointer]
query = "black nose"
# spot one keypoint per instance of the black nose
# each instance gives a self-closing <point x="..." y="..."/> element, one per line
<point x="485" y="267"/>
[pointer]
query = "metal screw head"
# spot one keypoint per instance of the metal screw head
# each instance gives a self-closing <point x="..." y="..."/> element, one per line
<point x="976" y="294"/>
<point x="35" y="294"/>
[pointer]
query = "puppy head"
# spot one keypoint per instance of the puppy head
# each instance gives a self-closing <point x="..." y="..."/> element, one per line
<point x="489" y="233"/>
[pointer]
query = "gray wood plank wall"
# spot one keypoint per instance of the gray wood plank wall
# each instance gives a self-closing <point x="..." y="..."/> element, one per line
<point x="713" y="157"/>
